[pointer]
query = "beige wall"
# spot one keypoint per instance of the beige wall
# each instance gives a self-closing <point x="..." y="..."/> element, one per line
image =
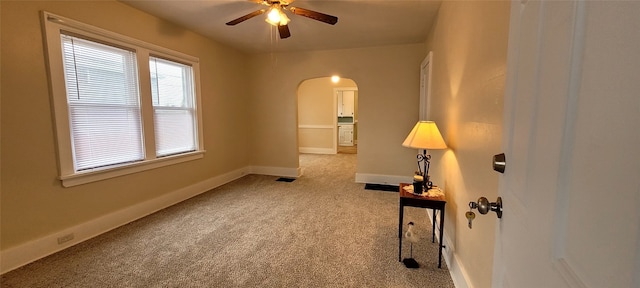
<point x="316" y="100"/>
<point x="317" y="107"/>
<point x="469" y="44"/>
<point x="388" y="86"/>
<point x="34" y="204"/>
<point x="316" y="138"/>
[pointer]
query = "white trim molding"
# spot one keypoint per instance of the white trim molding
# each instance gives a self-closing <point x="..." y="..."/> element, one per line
<point x="425" y="86"/>
<point x="316" y="150"/>
<point x="276" y="171"/>
<point x="456" y="269"/>
<point x="315" y="127"/>
<point x="382" y="179"/>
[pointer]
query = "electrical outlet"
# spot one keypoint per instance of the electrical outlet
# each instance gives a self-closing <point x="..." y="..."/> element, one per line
<point x="65" y="238"/>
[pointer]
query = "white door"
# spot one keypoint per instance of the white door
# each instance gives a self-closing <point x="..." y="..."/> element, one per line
<point x="425" y="86"/>
<point x="571" y="189"/>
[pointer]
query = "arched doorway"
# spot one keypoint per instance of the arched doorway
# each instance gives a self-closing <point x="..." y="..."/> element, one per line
<point x="327" y="116"/>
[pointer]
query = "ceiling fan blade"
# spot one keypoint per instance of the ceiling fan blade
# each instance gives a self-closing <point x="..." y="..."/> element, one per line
<point x="314" y="15"/>
<point x="246" y="17"/>
<point x="283" y="30"/>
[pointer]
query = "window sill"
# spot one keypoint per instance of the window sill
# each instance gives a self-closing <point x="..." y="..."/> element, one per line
<point x="111" y="172"/>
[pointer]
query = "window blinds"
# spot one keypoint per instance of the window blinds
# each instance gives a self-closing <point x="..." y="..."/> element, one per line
<point x="103" y="101"/>
<point x="173" y="106"/>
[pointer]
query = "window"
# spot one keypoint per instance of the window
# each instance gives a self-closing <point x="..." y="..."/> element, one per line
<point x="121" y="105"/>
<point x="173" y="107"/>
<point x="104" y="106"/>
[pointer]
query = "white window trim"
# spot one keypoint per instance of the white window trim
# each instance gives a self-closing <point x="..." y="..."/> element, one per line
<point x="53" y="26"/>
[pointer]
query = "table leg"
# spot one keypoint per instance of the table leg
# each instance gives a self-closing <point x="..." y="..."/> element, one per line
<point x="433" y="226"/>
<point x="441" y="237"/>
<point x="400" y="232"/>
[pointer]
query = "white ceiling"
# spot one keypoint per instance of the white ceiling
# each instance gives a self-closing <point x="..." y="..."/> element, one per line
<point x="361" y="23"/>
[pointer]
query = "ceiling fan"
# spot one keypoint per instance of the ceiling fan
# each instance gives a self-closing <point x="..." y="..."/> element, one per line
<point x="277" y="17"/>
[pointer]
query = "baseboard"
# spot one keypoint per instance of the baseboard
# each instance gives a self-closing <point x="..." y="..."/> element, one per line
<point x="456" y="270"/>
<point x="28" y="252"/>
<point x="315" y="150"/>
<point x="458" y="273"/>
<point x="382" y="179"/>
<point x="276" y="171"/>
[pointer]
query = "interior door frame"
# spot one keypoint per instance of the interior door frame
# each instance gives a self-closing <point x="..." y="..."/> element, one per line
<point x="425" y="86"/>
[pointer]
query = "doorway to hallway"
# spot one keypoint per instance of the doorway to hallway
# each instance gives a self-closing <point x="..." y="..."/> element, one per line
<point x="327" y="116"/>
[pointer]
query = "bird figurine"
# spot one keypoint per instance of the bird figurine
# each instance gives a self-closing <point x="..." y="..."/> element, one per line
<point x="412" y="237"/>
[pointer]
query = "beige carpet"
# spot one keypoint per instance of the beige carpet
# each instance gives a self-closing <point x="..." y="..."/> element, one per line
<point x="322" y="230"/>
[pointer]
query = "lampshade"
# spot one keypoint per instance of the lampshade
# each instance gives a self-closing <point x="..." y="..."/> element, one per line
<point x="425" y="135"/>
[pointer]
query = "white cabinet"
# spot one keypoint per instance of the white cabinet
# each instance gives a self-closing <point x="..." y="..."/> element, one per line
<point x="345" y="135"/>
<point x="346" y="103"/>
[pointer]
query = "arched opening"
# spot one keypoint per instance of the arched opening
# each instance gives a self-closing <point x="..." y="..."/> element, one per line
<point x="327" y="116"/>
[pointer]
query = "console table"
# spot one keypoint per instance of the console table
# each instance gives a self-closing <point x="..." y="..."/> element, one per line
<point x="436" y="204"/>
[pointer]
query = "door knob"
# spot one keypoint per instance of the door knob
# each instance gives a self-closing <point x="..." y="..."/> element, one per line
<point x="484" y="206"/>
<point x="499" y="162"/>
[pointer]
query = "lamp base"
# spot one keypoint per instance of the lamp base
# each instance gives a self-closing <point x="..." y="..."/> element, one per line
<point x="427" y="183"/>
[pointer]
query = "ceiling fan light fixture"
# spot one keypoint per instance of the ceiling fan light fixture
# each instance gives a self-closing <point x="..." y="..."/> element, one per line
<point x="276" y="17"/>
<point x="284" y="20"/>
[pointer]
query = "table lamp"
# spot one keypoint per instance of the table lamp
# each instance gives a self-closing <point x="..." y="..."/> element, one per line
<point x="425" y="135"/>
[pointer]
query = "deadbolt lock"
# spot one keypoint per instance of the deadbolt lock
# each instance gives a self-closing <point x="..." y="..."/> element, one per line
<point x="499" y="162"/>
